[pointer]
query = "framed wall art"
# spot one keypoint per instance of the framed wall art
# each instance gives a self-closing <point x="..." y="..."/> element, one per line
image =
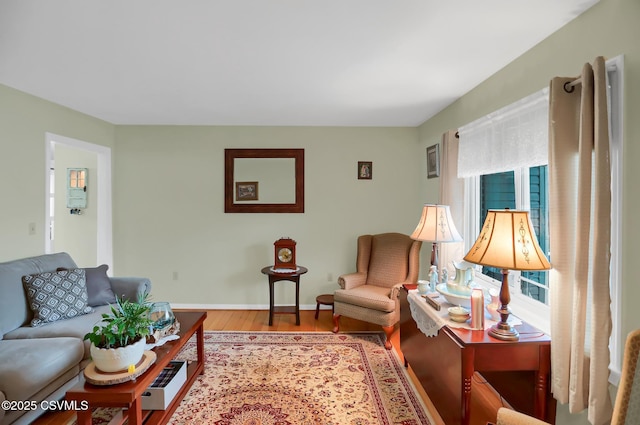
<point x="246" y="191"/>
<point x="433" y="161"/>
<point x="269" y="165"/>
<point x="365" y="170"/>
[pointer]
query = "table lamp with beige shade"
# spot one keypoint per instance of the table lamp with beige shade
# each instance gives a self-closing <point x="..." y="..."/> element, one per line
<point x="507" y="241"/>
<point x="436" y="226"/>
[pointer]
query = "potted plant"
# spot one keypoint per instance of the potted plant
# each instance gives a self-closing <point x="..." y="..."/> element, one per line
<point x="118" y="341"/>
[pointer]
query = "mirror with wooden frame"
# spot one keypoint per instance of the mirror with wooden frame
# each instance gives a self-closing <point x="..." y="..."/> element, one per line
<point x="264" y="180"/>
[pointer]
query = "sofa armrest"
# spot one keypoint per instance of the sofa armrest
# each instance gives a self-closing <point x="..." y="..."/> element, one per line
<point x="2" y="398"/>
<point x="130" y="287"/>
<point x="352" y="280"/>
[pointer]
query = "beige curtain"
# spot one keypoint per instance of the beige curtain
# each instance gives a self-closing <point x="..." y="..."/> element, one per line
<point x="580" y="226"/>
<point x="452" y="194"/>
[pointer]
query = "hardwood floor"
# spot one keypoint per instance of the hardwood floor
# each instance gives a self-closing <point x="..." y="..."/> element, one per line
<point x="258" y="320"/>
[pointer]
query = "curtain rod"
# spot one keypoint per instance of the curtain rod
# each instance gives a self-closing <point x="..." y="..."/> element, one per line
<point x="570" y="85"/>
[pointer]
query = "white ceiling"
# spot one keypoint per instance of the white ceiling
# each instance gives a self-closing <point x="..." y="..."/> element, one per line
<point x="266" y="62"/>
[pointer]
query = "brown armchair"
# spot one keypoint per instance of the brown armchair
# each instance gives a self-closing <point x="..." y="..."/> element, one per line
<point x="627" y="404"/>
<point x="384" y="263"/>
<point x="511" y="417"/>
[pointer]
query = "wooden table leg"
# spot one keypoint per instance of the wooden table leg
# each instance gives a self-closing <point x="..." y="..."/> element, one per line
<point x="135" y="412"/>
<point x="467" y="376"/>
<point x="542" y="383"/>
<point x="298" y="300"/>
<point x="84" y="416"/>
<point x="200" y="345"/>
<point x="271" y="281"/>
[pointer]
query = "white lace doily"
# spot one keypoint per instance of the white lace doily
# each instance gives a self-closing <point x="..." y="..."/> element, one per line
<point x="161" y="341"/>
<point x="430" y="320"/>
<point x="285" y="270"/>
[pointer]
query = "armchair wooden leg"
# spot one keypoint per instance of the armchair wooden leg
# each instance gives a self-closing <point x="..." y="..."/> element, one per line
<point x="388" y="330"/>
<point x="336" y="323"/>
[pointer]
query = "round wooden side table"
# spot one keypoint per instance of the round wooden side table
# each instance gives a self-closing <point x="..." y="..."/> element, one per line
<point x="324" y="299"/>
<point x="276" y="276"/>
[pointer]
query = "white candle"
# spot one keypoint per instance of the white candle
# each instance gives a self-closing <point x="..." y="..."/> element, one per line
<point x="477" y="309"/>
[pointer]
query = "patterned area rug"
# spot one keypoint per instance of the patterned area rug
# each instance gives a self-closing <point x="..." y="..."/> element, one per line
<point x="282" y="378"/>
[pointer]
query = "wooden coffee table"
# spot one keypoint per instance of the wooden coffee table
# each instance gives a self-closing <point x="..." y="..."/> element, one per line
<point x="128" y="395"/>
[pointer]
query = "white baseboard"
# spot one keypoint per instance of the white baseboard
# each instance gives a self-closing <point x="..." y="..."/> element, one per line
<point x="239" y="306"/>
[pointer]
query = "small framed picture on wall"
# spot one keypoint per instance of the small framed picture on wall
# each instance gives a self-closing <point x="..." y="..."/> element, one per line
<point x="433" y="161"/>
<point x="365" y="170"/>
<point x="246" y="191"/>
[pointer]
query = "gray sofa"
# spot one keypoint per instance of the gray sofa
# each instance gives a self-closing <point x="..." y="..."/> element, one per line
<point x="40" y="363"/>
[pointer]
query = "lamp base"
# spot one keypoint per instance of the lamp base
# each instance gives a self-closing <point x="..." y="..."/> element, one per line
<point x="504" y="331"/>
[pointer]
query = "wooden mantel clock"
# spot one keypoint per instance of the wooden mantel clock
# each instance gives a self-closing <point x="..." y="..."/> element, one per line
<point x="285" y="254"/>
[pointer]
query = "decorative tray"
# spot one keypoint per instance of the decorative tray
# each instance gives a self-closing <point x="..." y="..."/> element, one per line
<point x="95" y="376"/>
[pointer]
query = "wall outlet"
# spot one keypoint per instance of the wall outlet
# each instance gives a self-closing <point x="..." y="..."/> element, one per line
<point x="174" y="275"/>
<point x="32" y="229"/>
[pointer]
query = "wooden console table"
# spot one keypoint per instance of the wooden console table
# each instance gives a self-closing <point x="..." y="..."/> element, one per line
<point x="446" y="367"/>
<point x="128" y="395"/>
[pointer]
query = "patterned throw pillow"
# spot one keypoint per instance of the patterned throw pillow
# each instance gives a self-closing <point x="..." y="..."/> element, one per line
<point x="56" y="295"/>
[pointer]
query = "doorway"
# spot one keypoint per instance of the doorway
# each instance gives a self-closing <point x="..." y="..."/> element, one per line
<point x="101" y="198"/>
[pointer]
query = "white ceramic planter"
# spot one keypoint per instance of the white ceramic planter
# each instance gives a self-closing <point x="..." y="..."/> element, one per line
<point x="117" y="359"/>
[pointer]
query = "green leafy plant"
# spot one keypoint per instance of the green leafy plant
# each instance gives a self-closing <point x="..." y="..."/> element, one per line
<point x="127" y="322"/>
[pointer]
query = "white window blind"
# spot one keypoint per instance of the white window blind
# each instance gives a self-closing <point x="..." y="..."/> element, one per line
<point x="512" y="137"/>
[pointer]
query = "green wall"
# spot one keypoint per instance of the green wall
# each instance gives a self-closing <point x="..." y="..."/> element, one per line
<point x="169" y="208"/>
<point x="24" y="120"/>
<point x="168" y="203"/>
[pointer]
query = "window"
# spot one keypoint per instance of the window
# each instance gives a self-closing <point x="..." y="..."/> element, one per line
<point x="76" y="178"/>
<point x="522" y="189"/>
<point x="615" y="94"/>
<point x="535" y="284"/>
<point x="52" y="200"/>
<point x="499" y="191"/>
<point x="504" y="162"/>
<point x="526" y="188"/>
